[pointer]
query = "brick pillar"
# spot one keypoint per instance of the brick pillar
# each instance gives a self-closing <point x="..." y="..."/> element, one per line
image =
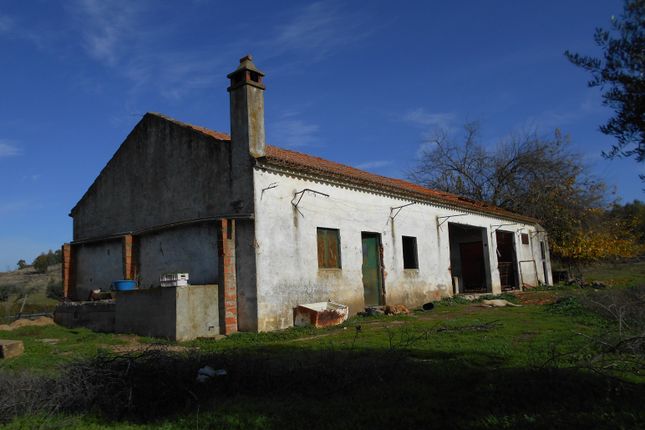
<point x="227" y="280"/>
<point x="68" y="281"/>
<point x="129" y="266"/>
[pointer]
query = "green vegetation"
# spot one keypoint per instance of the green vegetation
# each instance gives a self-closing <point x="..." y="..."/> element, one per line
<point x="458" y="366"/>
<point x="44" y="260"/>
<point x="617" y="275"/>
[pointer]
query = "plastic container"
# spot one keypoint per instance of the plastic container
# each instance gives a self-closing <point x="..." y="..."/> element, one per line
<point x="124" y="285"/>
<point x="174" y="280"/>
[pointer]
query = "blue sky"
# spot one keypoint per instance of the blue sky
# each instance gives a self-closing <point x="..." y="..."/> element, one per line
<point x="359" y="82"/>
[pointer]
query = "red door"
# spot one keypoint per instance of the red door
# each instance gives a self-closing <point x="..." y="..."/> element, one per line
<point x="472" y="267"/>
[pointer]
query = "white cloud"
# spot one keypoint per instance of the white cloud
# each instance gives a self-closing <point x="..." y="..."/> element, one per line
<point x="16" y="206"/>
<point x="369" y="165"/>
<point x="107" y="26"/>
<point x="6" y="24"/>
<point x="558" y="118"/>
<point x="316" y="30"/>
<point x="7" y="149"/>
<point x="291" y="132"/>
<point x="174" y="75"/>
<point x="429" y="119"/>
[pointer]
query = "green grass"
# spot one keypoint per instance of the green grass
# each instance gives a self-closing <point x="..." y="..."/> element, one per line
<point x="619" y="275"/>
<point x="457" y="366"/>
<point x="48" y="347"/>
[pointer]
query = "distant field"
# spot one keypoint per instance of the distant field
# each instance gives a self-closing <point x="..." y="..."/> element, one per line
<point x="617" y="274"/>
<point x="36" y="283"/>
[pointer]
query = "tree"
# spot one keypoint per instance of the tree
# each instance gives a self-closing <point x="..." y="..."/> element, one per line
<point x="632" y="215"/>
<point x="22" y="264"/>
<point x="41" y="263"/>
<point x="531" y="175"/>
<point x="621" y="74"/>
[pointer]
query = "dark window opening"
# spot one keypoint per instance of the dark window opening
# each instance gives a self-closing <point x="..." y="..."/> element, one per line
<point x="525" y="239"/>
<point x="328" y="248"/>
<point x="255" y="77"/>
<point x="237" y="79"/>
<point x="410" y="258"/>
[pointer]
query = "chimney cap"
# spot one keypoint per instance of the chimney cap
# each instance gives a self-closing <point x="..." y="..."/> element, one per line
<point x="246" y="63"/>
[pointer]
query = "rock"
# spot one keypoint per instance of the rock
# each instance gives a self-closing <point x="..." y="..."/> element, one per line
<point x="11" y="348"/>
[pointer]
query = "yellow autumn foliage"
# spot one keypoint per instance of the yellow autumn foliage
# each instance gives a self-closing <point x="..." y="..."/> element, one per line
<point x="601" y="242"/>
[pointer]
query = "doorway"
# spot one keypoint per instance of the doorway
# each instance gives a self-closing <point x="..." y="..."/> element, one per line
<point x="506" y="260"/>
<point x="372" y="269"/>
<point x="473" y="273"/>
<point x="469" y="259"/>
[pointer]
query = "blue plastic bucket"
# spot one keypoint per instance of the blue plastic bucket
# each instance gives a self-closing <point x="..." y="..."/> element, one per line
<point x="124" y="285"/>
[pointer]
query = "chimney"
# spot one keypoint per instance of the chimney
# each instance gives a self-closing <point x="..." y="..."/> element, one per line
<point x="247" y="109"/>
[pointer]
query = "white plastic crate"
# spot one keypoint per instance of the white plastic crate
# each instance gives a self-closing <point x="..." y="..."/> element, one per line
<point x="174" y="280"/>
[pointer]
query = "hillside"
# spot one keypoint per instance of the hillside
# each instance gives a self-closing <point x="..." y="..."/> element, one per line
<point x="34" y="284"/>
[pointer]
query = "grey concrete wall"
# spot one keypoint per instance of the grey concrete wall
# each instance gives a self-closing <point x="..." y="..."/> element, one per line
<point x="197" y="312"/>
<point x="177" y="313"/>
<point x="151" y="312"/>
<point x="191" y="249"/>
<point x="247" y="301"/>
<point x="164" y="172"/>
<point x="97" y="316"/>
<point x="96" y="266"/>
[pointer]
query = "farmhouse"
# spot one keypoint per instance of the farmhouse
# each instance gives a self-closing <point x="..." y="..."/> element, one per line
<point x="261" y="229"/>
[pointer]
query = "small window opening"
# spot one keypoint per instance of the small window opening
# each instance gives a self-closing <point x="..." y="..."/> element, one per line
<point x="525" y="239"/>
<point x="410" y="258"/>
<point x="328" y="248"/>
<point x="237" y="79"/>
<point x="254" y="76"/>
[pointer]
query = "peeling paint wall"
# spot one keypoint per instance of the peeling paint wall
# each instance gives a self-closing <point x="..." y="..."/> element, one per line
<point x="188" y="249"/>
<point x="163" y="173"/>
<point x="96" y="266"/>
<point x="177" y="313"/>
<point x="247" y="303"/>
<point x="286" y="247"/>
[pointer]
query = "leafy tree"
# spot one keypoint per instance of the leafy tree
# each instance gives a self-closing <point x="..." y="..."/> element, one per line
<point x="632" y="215"/>
<point x="531" y="175"/>
<point x="22" y="264"/>
<point x="43" y="261"/>
<point x="604" y="238"/>
<point x="621" y="74"/>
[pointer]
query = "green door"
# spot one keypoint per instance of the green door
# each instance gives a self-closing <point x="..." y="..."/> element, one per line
<point x="372" y="278"/>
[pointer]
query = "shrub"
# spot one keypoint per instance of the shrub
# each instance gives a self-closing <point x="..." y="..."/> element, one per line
<point x="6" y="291"/>
<point x="43" y="261"/>
<point x="55" y="290"/>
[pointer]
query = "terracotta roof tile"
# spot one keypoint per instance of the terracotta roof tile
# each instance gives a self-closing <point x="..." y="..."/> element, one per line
<point x="310" y="164"/>
<point x="315" y="165"/>
<point x="216" y="134"/>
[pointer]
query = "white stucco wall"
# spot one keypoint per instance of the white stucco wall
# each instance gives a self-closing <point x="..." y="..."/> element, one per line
<point x="286" y="249"/>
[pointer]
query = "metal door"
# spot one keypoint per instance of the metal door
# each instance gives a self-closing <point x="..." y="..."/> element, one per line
<point x="372" y="273"/>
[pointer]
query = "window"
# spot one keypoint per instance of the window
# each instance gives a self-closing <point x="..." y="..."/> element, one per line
<point x="410" y="260"/>
<point x="525" y="239"/>
<point x="328" y="248"/>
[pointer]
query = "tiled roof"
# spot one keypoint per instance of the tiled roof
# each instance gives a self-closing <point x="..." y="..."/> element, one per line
<point x="305" y="163"/>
